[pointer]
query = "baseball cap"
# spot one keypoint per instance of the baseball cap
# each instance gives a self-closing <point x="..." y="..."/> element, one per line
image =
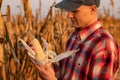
<point x="71" y="5"/>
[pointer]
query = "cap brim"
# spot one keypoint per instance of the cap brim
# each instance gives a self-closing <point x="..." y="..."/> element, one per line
<point x="67" y="5"/>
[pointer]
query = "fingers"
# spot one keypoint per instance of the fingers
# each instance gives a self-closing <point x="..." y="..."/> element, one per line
<point x="46" y="70"/>
<point x="33" y="60"/>
<point x="42" y="69"/>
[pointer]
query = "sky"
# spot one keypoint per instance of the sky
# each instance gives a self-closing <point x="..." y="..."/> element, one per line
<point x="47" y="3"/>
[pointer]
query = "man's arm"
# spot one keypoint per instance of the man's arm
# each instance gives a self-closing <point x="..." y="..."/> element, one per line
<point x="103" y="66"/>
<point x="104" y="62"/>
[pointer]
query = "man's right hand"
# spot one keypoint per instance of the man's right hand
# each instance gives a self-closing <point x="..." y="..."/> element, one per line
<point x="46" y="71"/>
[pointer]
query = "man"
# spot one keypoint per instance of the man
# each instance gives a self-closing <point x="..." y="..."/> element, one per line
<point x="97" y="58"/>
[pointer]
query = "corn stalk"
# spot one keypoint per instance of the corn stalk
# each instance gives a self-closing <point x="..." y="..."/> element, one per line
<point x="28" y="13"/>
<point x="10" y="43"/>
<point x="112" y="3"/>
<point x="8" y="13"/>
<point x="0" y="4"/>
<point x="2" y="65"/>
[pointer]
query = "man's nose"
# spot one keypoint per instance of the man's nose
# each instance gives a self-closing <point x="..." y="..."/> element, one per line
<point x="70" y="15"/>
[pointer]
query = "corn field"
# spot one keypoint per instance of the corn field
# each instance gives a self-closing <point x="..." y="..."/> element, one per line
<point x="15" y="63"/>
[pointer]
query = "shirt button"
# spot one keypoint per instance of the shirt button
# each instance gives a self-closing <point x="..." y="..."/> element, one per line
<point x="78" y="64"/>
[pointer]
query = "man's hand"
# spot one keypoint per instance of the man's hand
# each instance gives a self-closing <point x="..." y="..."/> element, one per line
<point x="46" y="71"/>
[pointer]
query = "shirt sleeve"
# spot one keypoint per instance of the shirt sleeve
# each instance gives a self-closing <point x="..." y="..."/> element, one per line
<point x="104" y="62"/>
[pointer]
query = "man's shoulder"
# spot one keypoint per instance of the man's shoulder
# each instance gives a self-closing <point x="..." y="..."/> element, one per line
<point x="101" y="36"/>
<point x="102" y="33"/>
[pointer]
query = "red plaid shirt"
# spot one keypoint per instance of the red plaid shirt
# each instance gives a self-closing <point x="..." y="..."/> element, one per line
<point x="96" y="58"/>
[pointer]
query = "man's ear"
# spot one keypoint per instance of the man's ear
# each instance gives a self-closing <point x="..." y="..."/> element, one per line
<point x="93" y="9"/>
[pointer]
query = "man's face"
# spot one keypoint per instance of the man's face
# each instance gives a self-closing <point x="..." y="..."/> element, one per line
<point x="80" y="17"/>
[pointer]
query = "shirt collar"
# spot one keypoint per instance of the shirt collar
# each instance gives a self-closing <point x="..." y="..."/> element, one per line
<point x="85" y="32"/>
